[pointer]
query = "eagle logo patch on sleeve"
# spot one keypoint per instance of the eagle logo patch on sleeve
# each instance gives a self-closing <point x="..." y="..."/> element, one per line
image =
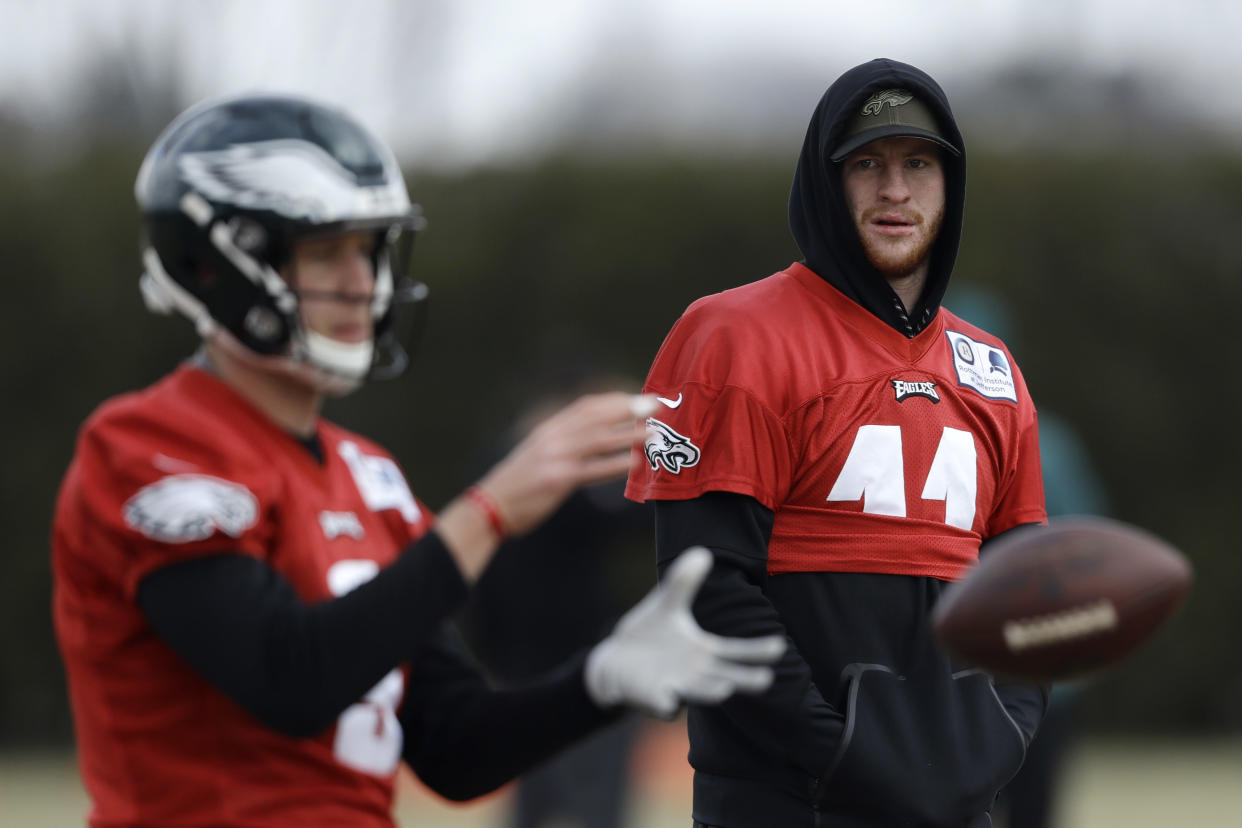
<point x="665" y="447"/>
<point x="183" y="508"/>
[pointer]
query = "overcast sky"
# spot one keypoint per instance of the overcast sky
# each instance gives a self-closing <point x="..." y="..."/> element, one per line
<point x="463" y="81"/>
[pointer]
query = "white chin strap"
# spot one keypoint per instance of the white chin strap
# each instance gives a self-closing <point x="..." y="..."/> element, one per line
<point x="351" y="360"/>
<point x="327" y="380"/>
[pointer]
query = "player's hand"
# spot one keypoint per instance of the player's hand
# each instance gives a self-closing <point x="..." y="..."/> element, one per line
<point x="586" y="442"/>
<point x="658" y="657"/>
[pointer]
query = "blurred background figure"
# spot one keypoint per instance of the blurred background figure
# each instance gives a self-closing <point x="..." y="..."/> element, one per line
<point x="1072" y="486"/>
<point x="588" y="562"/>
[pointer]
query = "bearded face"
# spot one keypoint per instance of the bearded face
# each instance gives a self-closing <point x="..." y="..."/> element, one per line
<point x="895" y="191"/>
<point x="902" y="256"/>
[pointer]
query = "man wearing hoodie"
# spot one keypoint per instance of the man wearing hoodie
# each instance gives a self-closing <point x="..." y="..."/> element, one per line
<point x="845" y="446"/>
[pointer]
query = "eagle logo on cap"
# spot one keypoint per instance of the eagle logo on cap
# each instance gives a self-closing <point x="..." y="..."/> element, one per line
<point x="892" y="97"/>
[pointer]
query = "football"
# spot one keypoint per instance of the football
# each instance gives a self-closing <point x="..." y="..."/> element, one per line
<point x="1053" y="602"/>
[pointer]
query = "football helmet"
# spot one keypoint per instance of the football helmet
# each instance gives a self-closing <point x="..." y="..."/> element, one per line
<point x="225" y="192"/>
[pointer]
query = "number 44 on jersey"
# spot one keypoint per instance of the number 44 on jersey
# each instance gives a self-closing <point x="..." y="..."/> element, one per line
<point x="874" y="472"/>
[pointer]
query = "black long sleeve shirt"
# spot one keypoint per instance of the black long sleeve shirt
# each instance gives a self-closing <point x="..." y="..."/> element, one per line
<point x="297" y="666"/>
<point x="866" y="719"/>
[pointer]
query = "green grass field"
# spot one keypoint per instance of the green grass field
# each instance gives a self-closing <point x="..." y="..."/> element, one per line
<point x="1109" y="784"/>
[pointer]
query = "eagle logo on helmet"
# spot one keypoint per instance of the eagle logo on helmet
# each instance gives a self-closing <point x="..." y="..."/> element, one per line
<point x="293" y="178"/>
<point x="665" y="447"/>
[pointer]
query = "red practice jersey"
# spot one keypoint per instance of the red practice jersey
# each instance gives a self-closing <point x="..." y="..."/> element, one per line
<point x="182" y="470"/>
<point x="878" y="453"/>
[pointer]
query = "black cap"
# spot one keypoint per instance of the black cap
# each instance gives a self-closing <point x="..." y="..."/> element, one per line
<point x="890" y="113"/>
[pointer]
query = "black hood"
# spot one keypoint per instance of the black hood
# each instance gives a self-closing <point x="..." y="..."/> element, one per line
<point x="820" y="218"/>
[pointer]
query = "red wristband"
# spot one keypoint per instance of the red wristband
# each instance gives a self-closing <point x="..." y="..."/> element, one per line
<point x="489" y="509"/>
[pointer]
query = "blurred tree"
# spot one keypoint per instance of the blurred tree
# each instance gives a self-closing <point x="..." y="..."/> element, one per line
<point x="1119" y="270"/>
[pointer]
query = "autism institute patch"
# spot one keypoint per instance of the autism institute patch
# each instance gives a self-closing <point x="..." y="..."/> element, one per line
<point x="982" y="367"/>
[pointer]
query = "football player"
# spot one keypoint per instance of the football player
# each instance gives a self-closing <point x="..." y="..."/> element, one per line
<point x="250" y="602"/>
<point x="843" y="445"/>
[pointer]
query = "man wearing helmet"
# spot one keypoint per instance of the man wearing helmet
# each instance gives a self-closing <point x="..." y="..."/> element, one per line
<point x="250" y="602"/>
<point x="233" y="187"/>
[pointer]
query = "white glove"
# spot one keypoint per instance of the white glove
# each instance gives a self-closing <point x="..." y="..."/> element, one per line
<point x="658" y="656"/>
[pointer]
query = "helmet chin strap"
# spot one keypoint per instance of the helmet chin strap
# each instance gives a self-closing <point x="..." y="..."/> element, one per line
<point x="330" y="381"/>
<point x="347" y="359"/>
